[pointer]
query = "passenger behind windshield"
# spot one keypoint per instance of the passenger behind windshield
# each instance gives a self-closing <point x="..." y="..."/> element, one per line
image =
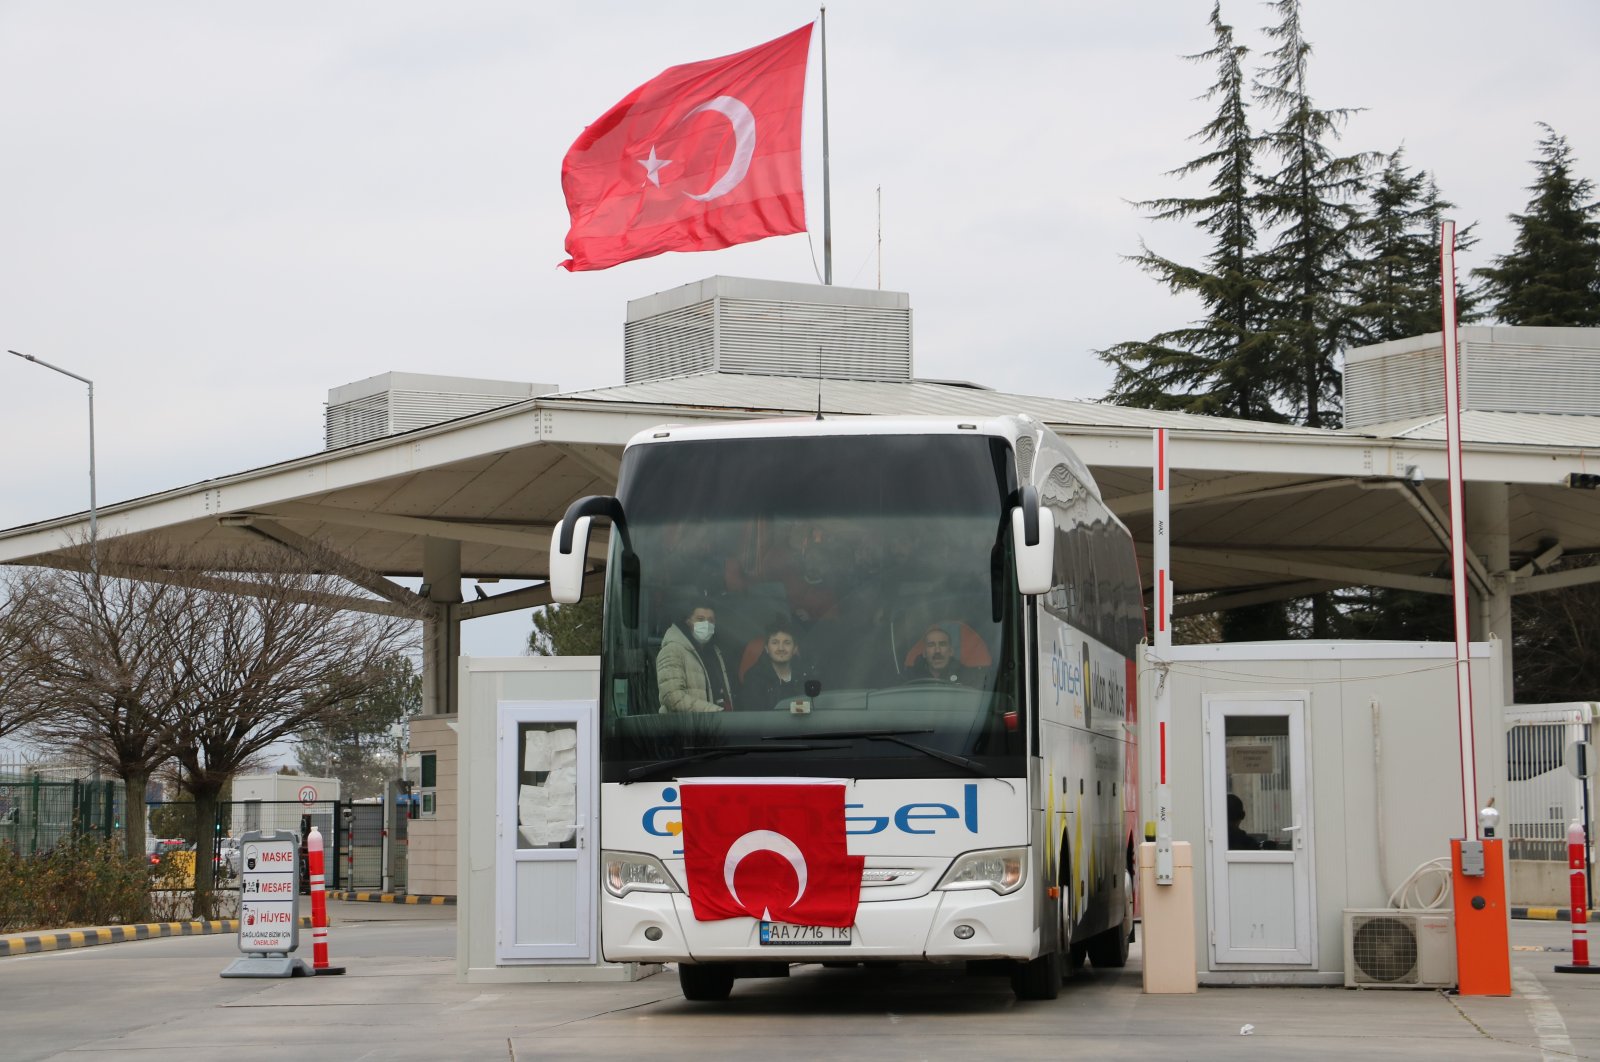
<point x="691" y="673"/>
<point x="940" y="659"/>
<point x="779" y="675"/>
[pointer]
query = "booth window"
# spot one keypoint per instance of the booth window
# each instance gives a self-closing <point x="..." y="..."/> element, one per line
<point x="428" y="790"/>
<point x="547" y="785"/>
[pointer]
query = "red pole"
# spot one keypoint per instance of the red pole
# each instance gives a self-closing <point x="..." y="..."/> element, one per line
<point x="1580" y="893"/>
<point x="319" y="906"/>
<point x="1580" y="913"/>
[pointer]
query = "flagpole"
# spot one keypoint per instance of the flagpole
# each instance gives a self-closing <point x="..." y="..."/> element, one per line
<point x="827" y="206"/>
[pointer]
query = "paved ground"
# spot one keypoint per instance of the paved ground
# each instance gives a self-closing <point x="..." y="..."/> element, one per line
<point x="163" y="999"/>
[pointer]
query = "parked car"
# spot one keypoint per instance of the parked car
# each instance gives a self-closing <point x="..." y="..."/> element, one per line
<point x="226" y="859"/>
<point x="161" y="846"/>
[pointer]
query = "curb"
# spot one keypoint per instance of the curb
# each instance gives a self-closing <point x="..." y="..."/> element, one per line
<point x="33" y="943"/>
<point x="1543" y="914"/>
<point x="391" y="897"/>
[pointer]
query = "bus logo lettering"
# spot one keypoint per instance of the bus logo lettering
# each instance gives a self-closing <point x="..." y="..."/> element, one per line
<point x="908" y="818"/>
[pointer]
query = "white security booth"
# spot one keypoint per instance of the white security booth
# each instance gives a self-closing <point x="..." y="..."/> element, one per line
<point x="1314" y="779"/>
<point x="528" y="847"/>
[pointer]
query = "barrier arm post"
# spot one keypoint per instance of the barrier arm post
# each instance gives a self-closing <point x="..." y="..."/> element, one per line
<point x="1478" y="871"/>
<point x="1162" y="548"/>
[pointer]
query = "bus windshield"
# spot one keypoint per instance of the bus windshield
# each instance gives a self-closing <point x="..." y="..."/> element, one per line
<point x="818" y="605"/>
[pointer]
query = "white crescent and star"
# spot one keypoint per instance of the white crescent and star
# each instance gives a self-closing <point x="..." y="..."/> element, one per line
<point x="743" y="123"/>
<point x="764" y="841"/>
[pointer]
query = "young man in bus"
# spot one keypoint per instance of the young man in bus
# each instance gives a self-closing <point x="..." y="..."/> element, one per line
<point x="691" y="674"/>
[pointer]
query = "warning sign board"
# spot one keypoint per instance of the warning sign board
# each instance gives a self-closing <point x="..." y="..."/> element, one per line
<point x="269" y="897"/>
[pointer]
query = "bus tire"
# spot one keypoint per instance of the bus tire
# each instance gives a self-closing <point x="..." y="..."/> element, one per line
<point x="1109" y="950"/>
<point x="1041" y="978"/>
<point x="1073" y="951"/>
<point x="704" y="983"/>
<point x="1038" y="978"/>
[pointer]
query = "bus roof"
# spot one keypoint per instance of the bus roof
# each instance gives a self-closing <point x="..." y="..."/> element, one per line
<point x="1008" y="427"/>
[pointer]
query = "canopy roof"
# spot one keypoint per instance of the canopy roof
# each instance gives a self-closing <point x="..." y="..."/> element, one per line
<point x="1260" y="511"/>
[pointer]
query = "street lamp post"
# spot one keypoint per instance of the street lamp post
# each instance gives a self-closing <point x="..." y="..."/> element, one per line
<point x="94" y="523"/>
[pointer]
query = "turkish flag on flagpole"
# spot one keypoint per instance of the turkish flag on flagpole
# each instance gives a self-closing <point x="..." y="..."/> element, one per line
<point x="769" y="850"/>
<point x="701" y="157"/>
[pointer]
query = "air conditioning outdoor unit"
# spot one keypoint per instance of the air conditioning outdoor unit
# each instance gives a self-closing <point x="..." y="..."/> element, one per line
<point x="1399" y="949"/>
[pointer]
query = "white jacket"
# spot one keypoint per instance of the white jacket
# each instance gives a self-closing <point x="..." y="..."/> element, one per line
<point x="681" y="677"/>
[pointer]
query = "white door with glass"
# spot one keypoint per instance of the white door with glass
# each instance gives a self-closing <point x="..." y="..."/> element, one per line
<point x="1258" y="831"/>
<point x="544" y="887"/>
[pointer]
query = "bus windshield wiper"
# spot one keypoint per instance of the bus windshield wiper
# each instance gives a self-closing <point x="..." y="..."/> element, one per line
<point x="899" y="738"/>
<point x="695" y="754"/>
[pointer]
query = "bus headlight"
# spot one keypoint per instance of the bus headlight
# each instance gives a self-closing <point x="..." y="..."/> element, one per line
<point x="1000" y="869"/>
<point x="625" y="872"/>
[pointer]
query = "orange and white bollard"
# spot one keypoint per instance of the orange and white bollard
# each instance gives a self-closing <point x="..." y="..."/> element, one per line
<point x="1579" y="871"/>
<point x="319" y="906"/>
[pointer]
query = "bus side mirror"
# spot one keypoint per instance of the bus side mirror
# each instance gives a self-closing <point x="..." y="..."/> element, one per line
<point x="1033" y="543"/>
<point x="569" y="545"/>
<point x="566" y="567"/>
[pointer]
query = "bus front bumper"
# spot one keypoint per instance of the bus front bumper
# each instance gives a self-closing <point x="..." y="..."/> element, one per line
<point x="919" y="929"/>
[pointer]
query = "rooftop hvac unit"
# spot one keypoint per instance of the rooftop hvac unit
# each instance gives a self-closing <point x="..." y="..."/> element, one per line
<point x="1399" y="949"/>
<point x="768" y="328"/>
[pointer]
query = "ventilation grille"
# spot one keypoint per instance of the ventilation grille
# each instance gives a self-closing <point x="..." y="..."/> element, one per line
<point x="1530" y="378"/>
<point x="770" y="337"/>
<point x="1396" y="387"/>
<point x="676" y="343"/>
<point x="400" y="402"/>
<point x="357" y="421"/>
<point x="1385" y="949"/>
<point x="794" y="339"/>
<point x="1503" y="370"/>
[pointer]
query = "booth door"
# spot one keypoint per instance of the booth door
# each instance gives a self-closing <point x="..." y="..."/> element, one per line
<point x="545" y="881"/>
<point x="1258" y="832"/>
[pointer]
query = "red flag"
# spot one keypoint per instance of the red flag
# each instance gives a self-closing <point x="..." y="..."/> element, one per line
<point x="703" y="156"/>
<point x="769" y="851"/>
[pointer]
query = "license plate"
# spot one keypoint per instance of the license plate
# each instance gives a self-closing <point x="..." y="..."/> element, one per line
<point x="788" y="933"/>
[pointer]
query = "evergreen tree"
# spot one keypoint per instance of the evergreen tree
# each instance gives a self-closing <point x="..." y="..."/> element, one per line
<point x="1214" y="366"/>
<point x="1552" y="275"/>
<point x="358" y="747"/>
<point x="1397" y="276"/>
<point x="567" y="630"/>
<point x="1310" y="198"/>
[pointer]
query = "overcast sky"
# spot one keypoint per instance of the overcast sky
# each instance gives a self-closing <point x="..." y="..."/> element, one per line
<point x="220" y="211"/>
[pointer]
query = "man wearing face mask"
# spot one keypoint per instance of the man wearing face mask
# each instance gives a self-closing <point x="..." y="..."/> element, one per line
<point x="691" y="674"/>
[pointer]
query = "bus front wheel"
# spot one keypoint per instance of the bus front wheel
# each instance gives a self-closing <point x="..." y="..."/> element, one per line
<point x="1109" y="950"/>
<point x="704" y="983"/>
<point x="1041" y="978"/>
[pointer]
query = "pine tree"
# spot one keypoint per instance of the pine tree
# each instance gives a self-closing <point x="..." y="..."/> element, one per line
<point x="1214" y="366"/>
<point x="1397" y="276"/>
<point x="567" y="630"/>
<point x="1311" y="200"/>
<point x="1552" y="275"/>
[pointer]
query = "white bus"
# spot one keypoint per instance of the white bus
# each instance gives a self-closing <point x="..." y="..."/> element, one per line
<point x="957" y="612"/>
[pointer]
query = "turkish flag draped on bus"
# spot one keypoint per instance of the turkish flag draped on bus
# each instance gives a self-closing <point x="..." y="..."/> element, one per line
<point x="769" y="851"/>
<point x="703" y="156"/>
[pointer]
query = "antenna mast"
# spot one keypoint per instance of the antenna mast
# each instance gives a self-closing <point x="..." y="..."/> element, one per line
<point x="827" y="206"/>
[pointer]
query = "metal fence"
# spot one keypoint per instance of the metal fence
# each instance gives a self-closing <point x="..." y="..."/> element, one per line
<point x="37" y="810"/>
<point x="1543" y="796"/>
<point x="355" y="838"/>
